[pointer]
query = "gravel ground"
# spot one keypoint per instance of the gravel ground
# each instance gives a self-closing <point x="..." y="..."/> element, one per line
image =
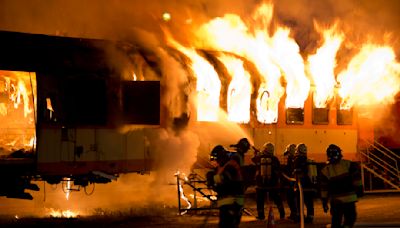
<point x="381" y="210"/>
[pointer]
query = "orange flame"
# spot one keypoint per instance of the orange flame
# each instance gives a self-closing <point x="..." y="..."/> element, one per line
<point x="62" y="213"/>
<point x="17" y="102"/>
<point x="208" y="85"/>
<point x="287" y="54"/>
<point x="275" y="54"/>
<point x="231" y="34"/>
<point x="239" y="91"/>
<point x="372" y="77"/>
<point x="321" y="66"/>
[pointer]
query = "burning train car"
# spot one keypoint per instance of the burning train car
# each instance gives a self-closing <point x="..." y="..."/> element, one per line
<point x="65" y="108"/>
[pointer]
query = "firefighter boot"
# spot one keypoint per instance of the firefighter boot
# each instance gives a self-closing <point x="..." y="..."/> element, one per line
<point x="309" y="219"/>
<point x="281" y="212"/>
<point x="261" y="215"/>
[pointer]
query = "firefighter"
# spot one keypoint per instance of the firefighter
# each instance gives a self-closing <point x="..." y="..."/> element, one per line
<point x="267" y="179"/>
<point x="305" y="173"/>
<point x="241" y="147"/>
<point x="289" y="185"/>
<point x="341" y="185"/>
<point x="227" y="182"/>
<point x="248" y="171"/>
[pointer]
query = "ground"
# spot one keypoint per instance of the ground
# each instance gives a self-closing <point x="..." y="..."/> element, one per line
<point x="378" y="210"/>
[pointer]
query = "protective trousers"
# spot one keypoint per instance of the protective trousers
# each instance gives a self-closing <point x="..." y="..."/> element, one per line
<point x="230" y="215"/>
<point x="274" y="195"/>
<point x="308" y="202"/>
<point x="291" y="201"/>
<point x="343" y="210"/>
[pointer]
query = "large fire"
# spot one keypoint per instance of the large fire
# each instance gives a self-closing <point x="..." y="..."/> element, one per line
<point x="371" y="76"/>
<point x="17" y="120"/>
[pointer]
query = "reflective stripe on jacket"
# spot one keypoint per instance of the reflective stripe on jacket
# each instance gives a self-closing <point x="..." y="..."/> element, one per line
<point x="339" y="181"/>
<point x="230" y="200"/>
<point x="229" y="184"/>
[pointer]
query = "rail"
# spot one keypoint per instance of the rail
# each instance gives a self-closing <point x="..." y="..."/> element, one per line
<point x="381" y="162"/>
<point x="192" y="181"/>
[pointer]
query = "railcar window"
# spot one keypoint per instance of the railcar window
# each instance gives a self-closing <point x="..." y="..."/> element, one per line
<point x="85" y="102"/>
<point x="294" y="116"/>
<point x="344" y="116"/>
<point x="141" y="102"/>
<point x="320" y="116"/>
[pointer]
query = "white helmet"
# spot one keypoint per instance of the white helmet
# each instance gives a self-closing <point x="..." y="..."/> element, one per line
<point x="301" y="149"/>
<point x="268" y="148"/>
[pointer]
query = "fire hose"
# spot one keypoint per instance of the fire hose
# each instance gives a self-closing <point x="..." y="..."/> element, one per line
<point x="297" y="181"/>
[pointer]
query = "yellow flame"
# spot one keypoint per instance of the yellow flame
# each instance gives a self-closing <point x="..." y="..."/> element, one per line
<point x="68" y="188"/>
<point x="287" y="53"/>
<point x="239" y="90"/>
<point x="62" y="213"/>
<point x="183" y="196"/>
<point x="208" y="85"/>
<point x="134" y="77"/>
<point x="17" y="102"/>
<point x="321" y="66"/>
<point x="231" y="34"/>
<point x="275" y="54"/>
<point x="19" y="93"/>
<point x="372" y="77"/>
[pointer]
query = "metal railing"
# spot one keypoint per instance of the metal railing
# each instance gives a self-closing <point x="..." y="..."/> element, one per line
<point x="198" y="185"/>
<point x="382" y="163"/>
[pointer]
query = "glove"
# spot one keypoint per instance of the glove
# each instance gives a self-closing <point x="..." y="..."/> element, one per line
<point x="325" y="205"/>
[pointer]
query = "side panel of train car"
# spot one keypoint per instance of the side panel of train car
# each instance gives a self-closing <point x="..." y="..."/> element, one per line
<point x="77" y="105"/>
<point x="83" y="129"/>
<point x="317" y="128"/>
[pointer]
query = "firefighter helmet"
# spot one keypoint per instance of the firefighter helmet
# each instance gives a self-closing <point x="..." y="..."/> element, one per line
<point x="268" y="148"/>
<point x="334" y="153"/>
<point x="218" y="152"/>
<point x="301" y="149"/>
<point x="290" y="150"/>
<point x="243" y="145"/>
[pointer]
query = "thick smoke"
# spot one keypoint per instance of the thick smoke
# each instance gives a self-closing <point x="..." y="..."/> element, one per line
<point x="113" y="19"/>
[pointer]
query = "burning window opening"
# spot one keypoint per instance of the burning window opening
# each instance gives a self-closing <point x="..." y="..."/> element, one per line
<point x="344" y="116"/>
<point x="17" y="114"/>
<point x="320" y="115"/>
<point x="295" y="116"/>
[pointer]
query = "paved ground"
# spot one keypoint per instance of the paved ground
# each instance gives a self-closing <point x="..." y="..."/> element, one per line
<point x="373" y="211"/>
